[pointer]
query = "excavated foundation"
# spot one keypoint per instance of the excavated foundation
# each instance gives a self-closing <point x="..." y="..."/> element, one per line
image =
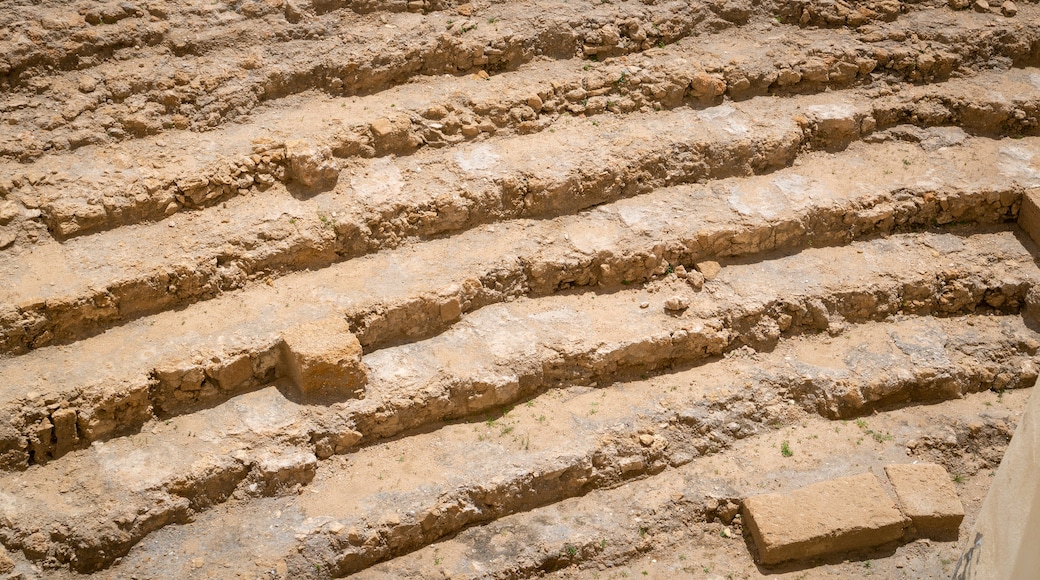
<point x="313" y="289"/>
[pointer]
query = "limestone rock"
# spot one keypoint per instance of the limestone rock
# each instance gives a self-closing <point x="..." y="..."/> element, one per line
<point x="927" y="498"/>
<point x="310" y="164"/>
<point x="323" y="359"/>
<point x="1008" y="9"/>
<point x="676" y="304"/>
<point x="6" y="563"/>
<point x="709" y="269"/>
<point x="824" y="518"/>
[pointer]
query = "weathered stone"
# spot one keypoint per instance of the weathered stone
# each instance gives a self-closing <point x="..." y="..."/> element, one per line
<point x="323" y="358"/>
<point x="310" y="164"/>
<point x="829" y="517"/>
<point x="1029" y="215"/>
<point x="1008" y="9"/>
<point x="927" y="498"/>
<point x="676" y="304"/>
<point x="6" y="563"/>
<point x="980" y="6"/>
<point x="709" y="269"/>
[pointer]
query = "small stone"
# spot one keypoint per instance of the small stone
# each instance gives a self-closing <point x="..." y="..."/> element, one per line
<point x="310" y="164"/>
<point x="644" y="305"/>
<point x="382" y="127"/>
<point x="959" y="4"/>
<point x="709" y="268"/>
<point x="980" y="6"/>
<point x="676" y="303"/>
<point x="646" y="440"/>
<point x="464" y="9"/>
<point x="1008" y="9"/>
<point x="470" y="130"/>
<point x="695" y="279"/>
<point x="6" y="563"/>
<point x="8" y="211"/>
<point x="483" y="74"/>
<point x="86" y="84"/>
<point x="535" y="102"/>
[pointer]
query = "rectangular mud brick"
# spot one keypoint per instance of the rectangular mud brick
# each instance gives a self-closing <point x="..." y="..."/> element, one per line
<point x="927" y="498"/>
<point x="824" y="518"/>
<point x="323" y="358"/>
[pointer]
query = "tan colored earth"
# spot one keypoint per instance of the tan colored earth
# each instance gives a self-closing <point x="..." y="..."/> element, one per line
<point x="611" y="268"/>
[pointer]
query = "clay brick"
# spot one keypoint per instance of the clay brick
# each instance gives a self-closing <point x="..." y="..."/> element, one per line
<point x="323" y="359"/>
<point x="824" y="518"/>
<point x="927" y="498"/>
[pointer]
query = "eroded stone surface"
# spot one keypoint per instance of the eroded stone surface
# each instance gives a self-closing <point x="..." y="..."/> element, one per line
<point x="323" y="359"/>
<point x="928" y="498"/>
<point x="825" y="518"/>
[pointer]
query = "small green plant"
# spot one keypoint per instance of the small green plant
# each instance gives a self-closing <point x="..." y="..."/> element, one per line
<point x="785" y="449"/>
<point x="958" y="478"/>
<point x="906" y="162"/>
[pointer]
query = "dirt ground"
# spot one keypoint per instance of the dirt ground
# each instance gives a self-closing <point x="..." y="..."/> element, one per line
<point x="432" y="289"/>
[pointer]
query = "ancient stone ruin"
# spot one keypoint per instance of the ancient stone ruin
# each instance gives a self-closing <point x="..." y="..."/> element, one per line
<point x="557" y="289"/>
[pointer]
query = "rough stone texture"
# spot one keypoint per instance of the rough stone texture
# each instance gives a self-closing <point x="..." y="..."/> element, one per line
<point x="311" y="165"/>
<point x="829" y="517"/>
<point x="323" y="359"/>
<point x="928" y="498"/>
<point x="6" y="564"/>
<point x="493" y="195"/>
<point x="1029" y="215"/>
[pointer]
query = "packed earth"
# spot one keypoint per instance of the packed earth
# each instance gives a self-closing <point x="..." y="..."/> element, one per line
<point x="541" y="288"/>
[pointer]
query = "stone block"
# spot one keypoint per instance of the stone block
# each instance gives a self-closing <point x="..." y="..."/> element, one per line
<point x="824" y="518"/>
<point x="928" y="498"/>
<point x="1029" y="214"/>
<point x="323" y="359"/>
